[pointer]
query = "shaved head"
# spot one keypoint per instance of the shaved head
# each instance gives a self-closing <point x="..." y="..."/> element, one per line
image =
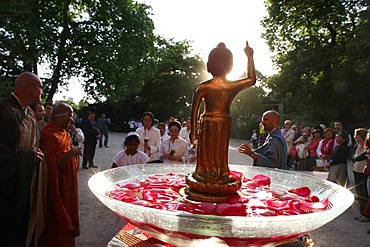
<point x="25" y="79"/>
<point x="270" y="120"/>
<point x="273" y="114"/>
<point x="60" y="108"/>
<point x="62" y="115"/>
<point x="28" y="88"/>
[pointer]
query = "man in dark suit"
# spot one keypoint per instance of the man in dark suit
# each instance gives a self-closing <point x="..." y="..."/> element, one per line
<point x="19" y="162"/>
<point x="91" y="132"/>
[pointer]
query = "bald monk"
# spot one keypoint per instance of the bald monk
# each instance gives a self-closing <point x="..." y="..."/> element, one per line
<point x="273" y="153"/>
<point x="215" y="123"/>
<point x="19" y="160"/>
<point x="62" y="163"/>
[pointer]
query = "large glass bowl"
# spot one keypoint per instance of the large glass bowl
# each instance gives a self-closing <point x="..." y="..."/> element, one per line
<point x="186" y="229"/>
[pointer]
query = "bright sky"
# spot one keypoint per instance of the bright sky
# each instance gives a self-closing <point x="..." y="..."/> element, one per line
<point x="206" y="23"/>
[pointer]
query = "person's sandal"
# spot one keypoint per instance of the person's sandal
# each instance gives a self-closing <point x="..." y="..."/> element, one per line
<point x="362" y="218"/>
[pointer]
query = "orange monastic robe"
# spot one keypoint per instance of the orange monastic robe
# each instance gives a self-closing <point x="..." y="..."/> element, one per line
<point x="62" y="196"/>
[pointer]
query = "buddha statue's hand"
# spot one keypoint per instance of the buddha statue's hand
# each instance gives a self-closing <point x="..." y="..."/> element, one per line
<point x="247" y="50"/>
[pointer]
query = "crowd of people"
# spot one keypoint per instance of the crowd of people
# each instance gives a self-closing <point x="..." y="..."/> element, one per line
<point x="320" y="148"/>
<point x="317" y="148"/>
<point x="39" y="156"/>
<point x="41" y="148"/>
<point x="168" y="142"/>
<point x="38" y="185"/>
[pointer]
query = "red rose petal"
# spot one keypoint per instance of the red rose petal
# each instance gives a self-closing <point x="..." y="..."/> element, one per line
<point x="262" y="180"/>
<point x="254" y="199"/>
<point x="237" y="209"/>
<point x="302" y="191"/>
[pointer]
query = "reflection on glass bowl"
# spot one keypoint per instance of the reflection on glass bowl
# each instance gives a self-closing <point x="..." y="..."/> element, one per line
<point x="186" y="229"/>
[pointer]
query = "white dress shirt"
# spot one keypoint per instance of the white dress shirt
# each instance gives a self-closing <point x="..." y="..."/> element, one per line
<point x="122" y="159"/>
<point x="180" y="146"/>
<point x="154" y="141"/>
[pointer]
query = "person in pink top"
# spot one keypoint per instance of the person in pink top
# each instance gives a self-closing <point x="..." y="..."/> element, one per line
<point x="316" y="138"/>
<point x="326" y="145"/>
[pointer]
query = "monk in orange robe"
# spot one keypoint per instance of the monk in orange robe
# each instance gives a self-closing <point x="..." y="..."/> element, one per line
<point x="62" y="195"/>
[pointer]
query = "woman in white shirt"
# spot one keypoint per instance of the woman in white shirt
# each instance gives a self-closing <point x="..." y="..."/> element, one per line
<point x="162" y="130"/>
<point x="173" y="149"/>
<point x="149" y="136"/>
<point x="360" y="161"/>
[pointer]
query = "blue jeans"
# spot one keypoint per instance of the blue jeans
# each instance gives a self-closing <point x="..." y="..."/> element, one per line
<point x="106" y="137"/>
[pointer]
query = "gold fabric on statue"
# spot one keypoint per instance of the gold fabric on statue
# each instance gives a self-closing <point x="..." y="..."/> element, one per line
<point x="213" y="146"/>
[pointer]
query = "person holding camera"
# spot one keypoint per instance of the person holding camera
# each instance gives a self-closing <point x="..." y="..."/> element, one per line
<point x="77" y="135"/>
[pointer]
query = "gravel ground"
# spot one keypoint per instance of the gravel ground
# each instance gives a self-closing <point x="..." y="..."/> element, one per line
<point x="99" y="225"/>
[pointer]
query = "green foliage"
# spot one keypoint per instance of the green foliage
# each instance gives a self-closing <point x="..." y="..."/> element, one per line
<point x="118" y="44"/>
<point x="6" y="86"/>
<point x="166" y="91"/>
<point x="110" y="47"/>
<point x="246" y="110"/>
<point x="169" y="91"/>
<point x="69" y="100"/>
<point x="106" y="43"/>
<point x="322" y="51"/>
<point x="19" y="31"/>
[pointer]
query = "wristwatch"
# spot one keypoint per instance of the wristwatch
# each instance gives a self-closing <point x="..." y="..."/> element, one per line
<point x="252" y="155"/>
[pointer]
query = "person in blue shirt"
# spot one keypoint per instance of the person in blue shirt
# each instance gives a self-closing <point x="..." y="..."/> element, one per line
<point x="103" y="123"/>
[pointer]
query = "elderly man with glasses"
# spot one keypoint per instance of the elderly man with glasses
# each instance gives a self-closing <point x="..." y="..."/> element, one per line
<point x="288" y="134"/>
<point x="21" y="177"/>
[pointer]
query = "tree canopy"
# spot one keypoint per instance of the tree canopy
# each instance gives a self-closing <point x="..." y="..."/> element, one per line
<point x="104" y="43"/>
<point x="322" y="50"/>
<point x="109" y="46"/>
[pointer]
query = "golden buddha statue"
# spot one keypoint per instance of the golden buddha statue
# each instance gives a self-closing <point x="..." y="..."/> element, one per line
<point x="212" y="180"/>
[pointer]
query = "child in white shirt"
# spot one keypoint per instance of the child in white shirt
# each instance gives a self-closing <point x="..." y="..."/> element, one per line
<point x="130" y="155"/>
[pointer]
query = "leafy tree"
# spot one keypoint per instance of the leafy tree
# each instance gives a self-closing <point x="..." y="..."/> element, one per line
<point x="119" y="43"/>
<point x="168" y="92"/>
<point x="106" y="43"/>
<point x="19" y="30"/>
<point x="358" y="64"/>
<point x="247" y="108"/>
<point x="6" y="86"/>
<point x="311" y="38"/>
